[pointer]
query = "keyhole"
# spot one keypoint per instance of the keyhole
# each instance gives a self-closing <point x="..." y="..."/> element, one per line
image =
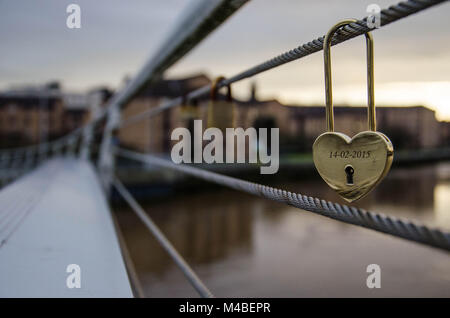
<point x="349" y="171"/>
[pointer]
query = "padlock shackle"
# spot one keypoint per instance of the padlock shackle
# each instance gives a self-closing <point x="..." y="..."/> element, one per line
<point x="328" y="83"/>
<point x="214" y="90"/>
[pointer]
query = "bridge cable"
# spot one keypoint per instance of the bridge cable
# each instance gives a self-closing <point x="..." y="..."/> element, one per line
<point x="163" y="241"/>
<point x="405" y="229"/>
<point x="352" y="30"/>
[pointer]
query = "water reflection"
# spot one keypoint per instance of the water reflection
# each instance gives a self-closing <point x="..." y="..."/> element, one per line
<point x="242" y="245"/>
<point x="200" y="229"/>
<point x="442" y="203"/>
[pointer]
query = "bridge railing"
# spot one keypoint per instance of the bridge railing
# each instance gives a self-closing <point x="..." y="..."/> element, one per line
<point x="195" y="25"/>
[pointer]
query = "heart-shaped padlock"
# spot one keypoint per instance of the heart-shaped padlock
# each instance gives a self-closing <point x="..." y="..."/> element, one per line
<point x="351" y="166"/>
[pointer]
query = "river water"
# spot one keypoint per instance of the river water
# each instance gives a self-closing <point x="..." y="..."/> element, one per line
<point x="244" y="246"/>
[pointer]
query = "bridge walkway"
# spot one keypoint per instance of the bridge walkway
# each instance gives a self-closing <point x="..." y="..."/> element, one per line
<point x="55" y="216"/>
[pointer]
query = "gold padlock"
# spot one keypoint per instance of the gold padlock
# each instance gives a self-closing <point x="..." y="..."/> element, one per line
<point x="351" y="166"/>
<point x="221" y="113"/>
<point x="189" y="109"/>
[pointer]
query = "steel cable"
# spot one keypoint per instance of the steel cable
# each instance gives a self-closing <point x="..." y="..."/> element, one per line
<point x="389" y="15"/>
<point x="405" y="229"/>
<point x="163" y="241"/>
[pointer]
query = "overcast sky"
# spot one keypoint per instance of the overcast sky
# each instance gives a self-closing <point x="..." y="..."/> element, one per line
<point x="412" y="56"/>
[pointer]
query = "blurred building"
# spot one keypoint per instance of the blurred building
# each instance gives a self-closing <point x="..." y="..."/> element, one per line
<point x="154" y="133"/>
<point x="34" y="114"/>
<point x="31" y="115"/>
<point x="408" y="127"/>
<point x="445" y="132"/>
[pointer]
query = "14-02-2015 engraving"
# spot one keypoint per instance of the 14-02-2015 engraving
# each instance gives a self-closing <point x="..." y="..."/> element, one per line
<point x="354" y="154"/>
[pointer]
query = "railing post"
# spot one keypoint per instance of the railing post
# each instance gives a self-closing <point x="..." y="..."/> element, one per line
<point x="106" y="160"/>
<point x="5" y="159"/>
<point x="56" y="148"/>
<point x="85" y="147"/>
<point x="8" y="159"/>
<point x="96" y="100"/>
<point x="14" y="162"/>
<point x="42" y="152"/>
<point x="71" y="146"/>
<point x="28" y="159"/>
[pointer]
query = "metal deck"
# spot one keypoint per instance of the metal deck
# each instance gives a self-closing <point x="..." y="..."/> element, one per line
<point x="55" y="216"/>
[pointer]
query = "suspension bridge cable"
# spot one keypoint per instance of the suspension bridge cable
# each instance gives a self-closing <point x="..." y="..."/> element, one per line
<point x="389" y="15"/>
<point x="163" y="241"/>
<point x="191" y="29"/>
<point x="405" y="229"/>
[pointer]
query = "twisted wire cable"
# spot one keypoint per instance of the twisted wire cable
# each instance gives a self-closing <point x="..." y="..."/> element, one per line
<point x="349" y="31"/>
<point x="387" y="16"/>
<point x="192" y="277"/>
<point x="405" y="229"/>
